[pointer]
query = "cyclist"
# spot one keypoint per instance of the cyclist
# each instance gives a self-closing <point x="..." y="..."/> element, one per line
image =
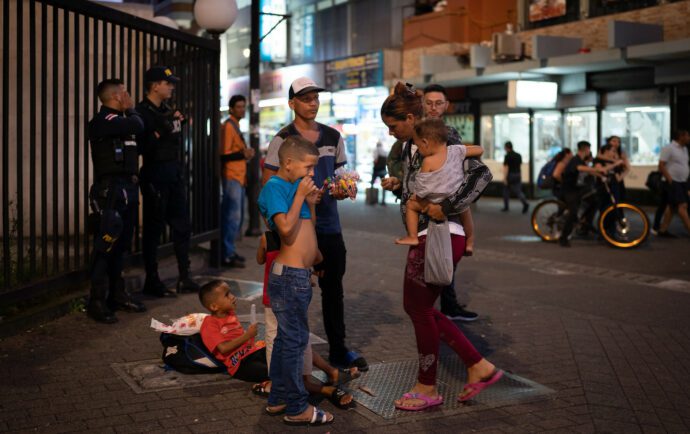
<point x="576" y="183"/>
<point x="562" y="159"/>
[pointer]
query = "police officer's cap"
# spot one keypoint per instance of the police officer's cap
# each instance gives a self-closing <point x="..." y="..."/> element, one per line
<point x="160" y="73"/>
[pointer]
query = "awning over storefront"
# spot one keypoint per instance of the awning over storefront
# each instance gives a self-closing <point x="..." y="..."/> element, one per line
<point x="661" y="55"/>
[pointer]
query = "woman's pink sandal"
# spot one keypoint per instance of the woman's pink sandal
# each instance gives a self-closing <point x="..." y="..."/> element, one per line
<point x="476" y="388"/>
<point x="428" y="402"/>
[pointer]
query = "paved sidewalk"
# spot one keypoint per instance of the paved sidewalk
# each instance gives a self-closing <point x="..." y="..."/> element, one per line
<point x="615" y="346"/>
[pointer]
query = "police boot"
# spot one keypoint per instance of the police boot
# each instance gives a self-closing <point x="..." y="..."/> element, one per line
<point x="98" y="310"/>
<point x="186" y="284"/>
<point x="121" y="299"/>
<point x="154" y="287"/>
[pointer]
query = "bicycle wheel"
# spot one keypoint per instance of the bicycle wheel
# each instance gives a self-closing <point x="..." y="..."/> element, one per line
<point x="548" y="218"/>
<point x="624" y="225"/>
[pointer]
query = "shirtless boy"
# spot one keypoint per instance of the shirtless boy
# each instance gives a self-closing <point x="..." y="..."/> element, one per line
<point x="287" y="202"/>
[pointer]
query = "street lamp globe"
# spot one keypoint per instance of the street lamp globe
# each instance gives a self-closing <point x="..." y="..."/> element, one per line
<point x="215" y="16"/>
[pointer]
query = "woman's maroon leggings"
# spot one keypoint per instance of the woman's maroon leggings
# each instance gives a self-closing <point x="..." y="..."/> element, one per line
<point x="430" y="325"/>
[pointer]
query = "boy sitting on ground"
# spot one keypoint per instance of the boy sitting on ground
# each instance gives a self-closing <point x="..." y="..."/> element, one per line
<point x="287" y="202"/>
<point x="224" y="336"/>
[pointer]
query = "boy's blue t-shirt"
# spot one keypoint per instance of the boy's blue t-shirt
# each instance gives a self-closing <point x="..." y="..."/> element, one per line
<point x="276" y="197"/>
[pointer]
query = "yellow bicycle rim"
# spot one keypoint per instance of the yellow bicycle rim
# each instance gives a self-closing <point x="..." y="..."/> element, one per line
<point x="614" y="242"/>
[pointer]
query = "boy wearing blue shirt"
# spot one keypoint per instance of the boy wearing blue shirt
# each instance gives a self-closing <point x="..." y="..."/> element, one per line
<point x="304" y="101"/>
<point x="287" y="202"/>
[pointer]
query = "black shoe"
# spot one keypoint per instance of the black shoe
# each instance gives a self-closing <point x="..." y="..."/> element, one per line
<point x="504" y="210"/>
<point x="232" y="263"/>
<point x="187" y="285"/>
<point x="666" y="234"/>
<point x="239" y="258"/>
<point x="130" y="305"/>
<point x="155" y="288"/>
<point x="525" y="208"/>
<point x="564" y="243"/>
<point x="352" y="359"/>
<point x="460" y="314"/>
<point x="98" y="311"/>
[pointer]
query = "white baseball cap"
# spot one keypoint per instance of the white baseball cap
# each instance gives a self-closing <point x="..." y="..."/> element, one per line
<point x="303" y="85"/>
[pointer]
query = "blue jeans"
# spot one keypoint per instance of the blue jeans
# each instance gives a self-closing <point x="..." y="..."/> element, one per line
<point x="290" y="292"/>
<point x="231" y="215"/>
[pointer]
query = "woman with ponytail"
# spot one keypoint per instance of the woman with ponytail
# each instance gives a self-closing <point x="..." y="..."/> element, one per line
<point x="400" y="112"/>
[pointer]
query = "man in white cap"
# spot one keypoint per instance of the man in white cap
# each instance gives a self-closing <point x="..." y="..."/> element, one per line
<point x="304" y="101"/>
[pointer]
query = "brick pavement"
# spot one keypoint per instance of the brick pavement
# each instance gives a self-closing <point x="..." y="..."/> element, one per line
<point x="611" y="372"/>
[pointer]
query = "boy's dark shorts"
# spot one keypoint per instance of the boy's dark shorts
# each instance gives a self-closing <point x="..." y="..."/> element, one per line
<point x="677" y="193"/>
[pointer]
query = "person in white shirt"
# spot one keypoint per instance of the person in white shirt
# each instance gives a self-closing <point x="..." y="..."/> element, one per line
<point x="673" y="164"/>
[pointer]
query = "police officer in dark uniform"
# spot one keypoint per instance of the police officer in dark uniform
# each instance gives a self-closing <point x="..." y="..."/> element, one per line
<point x="163" y="181"/>
<point x="114" y="198"/>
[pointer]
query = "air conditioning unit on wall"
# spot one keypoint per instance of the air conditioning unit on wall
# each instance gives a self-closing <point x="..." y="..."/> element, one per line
<point x="506" y="47"/>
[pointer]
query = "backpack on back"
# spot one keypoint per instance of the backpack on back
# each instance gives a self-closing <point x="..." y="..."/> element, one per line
<point x="188" y="355"/>
<point x="545" y="178"/>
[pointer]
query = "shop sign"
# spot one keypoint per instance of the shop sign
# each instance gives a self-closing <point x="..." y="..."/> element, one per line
<point x="274" y="45"/>
<point x="355" y="72"/>
<point x="545" y="9"/>
<point x="275" y="84"/>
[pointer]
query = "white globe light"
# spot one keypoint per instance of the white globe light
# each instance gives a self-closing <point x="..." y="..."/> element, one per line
<point x="215" y="15"/>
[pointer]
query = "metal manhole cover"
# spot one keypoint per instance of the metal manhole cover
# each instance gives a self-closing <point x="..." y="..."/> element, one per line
<point x="389" y="381"/>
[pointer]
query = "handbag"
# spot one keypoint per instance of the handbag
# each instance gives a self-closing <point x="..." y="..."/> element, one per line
<point x="438" y="254"/>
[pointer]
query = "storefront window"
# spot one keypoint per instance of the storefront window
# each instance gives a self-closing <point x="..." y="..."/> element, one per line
<point x="513" y="127"/>
<point x="487" y="136"/>
<point x="465" y="126"/>
<point x="580" y="125"/>
<point x="548" y="137"/>
<point x="643" y="131"/>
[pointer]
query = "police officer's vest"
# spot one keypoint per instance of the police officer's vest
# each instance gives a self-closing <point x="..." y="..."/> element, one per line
<point x="114" y="156"/>
<point x="168" y="146"/>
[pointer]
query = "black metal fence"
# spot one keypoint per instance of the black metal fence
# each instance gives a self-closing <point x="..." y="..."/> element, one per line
<point x="54" y="53"/>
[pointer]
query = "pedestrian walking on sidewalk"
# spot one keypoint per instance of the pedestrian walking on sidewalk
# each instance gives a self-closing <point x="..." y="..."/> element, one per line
<point x="400" y="112"/>
<point x="512" y="178"/>
<point x="673" y="164"/>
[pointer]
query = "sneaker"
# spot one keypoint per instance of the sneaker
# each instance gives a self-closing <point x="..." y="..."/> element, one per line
<point x="504" y="209"/>
<point x="525" y="208"/>
<point x="460" y="314"/>
<point x="239" y="258"/>
<point x="654" y="231"/>
<point x="352" y="359"/>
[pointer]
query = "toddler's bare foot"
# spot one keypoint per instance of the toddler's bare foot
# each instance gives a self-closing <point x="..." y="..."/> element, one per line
<point x="407" y="241"/>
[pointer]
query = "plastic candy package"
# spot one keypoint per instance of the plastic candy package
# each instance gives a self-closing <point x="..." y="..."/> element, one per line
<point x="185" y="326"/>
<point x="344" y="182"/>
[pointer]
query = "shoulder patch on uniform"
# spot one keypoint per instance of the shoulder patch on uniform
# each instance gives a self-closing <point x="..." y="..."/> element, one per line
<point x="110" y="117"/>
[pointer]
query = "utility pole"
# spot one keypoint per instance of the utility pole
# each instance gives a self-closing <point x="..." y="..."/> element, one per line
<point x="254" y="183"/>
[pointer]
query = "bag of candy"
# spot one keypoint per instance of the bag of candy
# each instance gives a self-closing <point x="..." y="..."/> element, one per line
<point x="344" y="182"/>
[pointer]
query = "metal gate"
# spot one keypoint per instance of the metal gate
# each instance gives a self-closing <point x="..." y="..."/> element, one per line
<point x="54" y="53"/>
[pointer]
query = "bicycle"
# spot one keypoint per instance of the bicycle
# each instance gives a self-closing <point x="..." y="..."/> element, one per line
<point x="622" y="225"/>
